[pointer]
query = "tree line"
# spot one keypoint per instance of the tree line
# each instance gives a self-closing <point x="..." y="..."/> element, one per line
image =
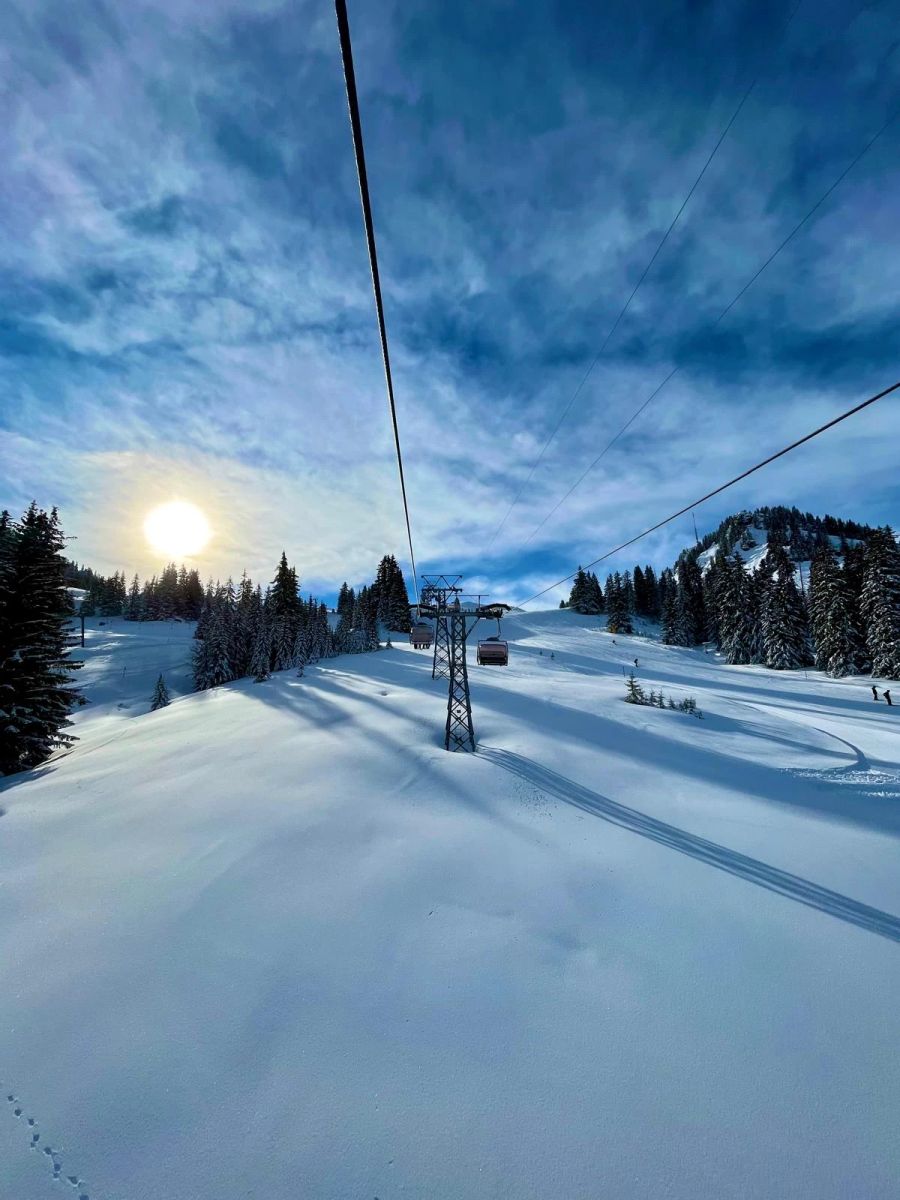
<point x="175" y="594"/>
<point x="36" y="692"/>
<point x="844" y="619"/>
<point x="245" y="633"/>
<point x="625" y="595"/>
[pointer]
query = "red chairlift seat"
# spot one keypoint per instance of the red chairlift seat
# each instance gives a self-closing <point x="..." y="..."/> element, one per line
<point x="493" y="652"/>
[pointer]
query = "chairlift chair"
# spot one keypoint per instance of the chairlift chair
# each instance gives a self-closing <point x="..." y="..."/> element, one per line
<point x="420" y="636"/>
<point x="493" y="651"/>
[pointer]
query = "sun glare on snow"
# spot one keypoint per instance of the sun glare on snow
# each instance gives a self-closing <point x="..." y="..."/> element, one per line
<point x="177" y="529"/>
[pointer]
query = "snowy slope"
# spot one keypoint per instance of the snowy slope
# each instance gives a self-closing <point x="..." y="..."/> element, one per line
<point x="753" y="556"/>
<point x="274" y="942"/>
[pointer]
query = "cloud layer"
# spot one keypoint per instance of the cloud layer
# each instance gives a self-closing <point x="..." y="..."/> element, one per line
<point x="186" y="307"/>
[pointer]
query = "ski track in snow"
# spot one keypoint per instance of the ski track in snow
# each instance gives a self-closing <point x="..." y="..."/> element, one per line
<point x="34" y="1140"/>
<point x="617" y="952"/>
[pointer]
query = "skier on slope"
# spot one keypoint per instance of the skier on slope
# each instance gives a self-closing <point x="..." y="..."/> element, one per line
<point x="874" y="692"/>
<point x="887" y="696"/>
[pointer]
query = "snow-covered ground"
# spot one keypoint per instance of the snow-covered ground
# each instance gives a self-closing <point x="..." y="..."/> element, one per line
<point x="273" y="942"/>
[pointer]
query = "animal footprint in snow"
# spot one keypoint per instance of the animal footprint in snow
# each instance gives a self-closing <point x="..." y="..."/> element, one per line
<point x="31" y="1120"/>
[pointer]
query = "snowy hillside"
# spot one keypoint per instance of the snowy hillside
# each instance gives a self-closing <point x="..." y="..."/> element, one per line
<point x="753" y="550"/>
<point x="747" y="536"/>
<point x="273" y="942"/>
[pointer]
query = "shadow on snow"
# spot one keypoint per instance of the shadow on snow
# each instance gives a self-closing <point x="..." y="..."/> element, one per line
<point x="873" y="920"/>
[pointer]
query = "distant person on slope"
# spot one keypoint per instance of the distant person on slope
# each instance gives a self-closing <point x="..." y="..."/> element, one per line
<point x="874" y="692"/>
<point x="887" y="696"/>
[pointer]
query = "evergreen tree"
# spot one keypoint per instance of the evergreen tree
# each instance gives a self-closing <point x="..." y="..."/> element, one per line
<point x="670" y="618"/>
<point x="260" y="656"/>
<point x="618" y="606"/>
<point x="880" y="603"/>
<point x="212" y="663"/>
<point x="640" y="593"/>
<point x="692" y="604"/>
<point x="398" y="601"/>
<point x="300" y="656"/>
<point x="246" y="612"/>
<point x="711" y="580"/>
<point x="283" y="599"/>
<point x="653" y="605"/>
<point x="736" y="617"/>
<point x="282" y="644"/>
<point x="579" y="594"/>
<point x="784" y="626"/>
<point x="594" y="602"/>
<point x="345" y="608"/>
<point x="160" y="697"/>
<point x="36" y="695"/>
<point x="831" y="608"/>
<point x="134" y="609"/>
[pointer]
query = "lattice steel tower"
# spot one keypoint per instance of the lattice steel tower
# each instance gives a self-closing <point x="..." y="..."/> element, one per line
<point x="437" y="592"/>
<point x="441" y="599"/>
<point x="459" y="733"/>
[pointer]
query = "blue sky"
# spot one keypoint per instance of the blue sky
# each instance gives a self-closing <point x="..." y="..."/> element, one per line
<point x="186" y="306"/>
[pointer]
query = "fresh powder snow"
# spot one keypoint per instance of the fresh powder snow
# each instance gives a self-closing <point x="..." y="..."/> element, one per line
<point x="272" y="941"/>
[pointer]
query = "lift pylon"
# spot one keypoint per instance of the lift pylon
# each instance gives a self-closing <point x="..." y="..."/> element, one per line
<point x="459" y="733"/>
<point x="440" y="667"/>
<point x="441" y="598"/>
<point x="437" y="592"/>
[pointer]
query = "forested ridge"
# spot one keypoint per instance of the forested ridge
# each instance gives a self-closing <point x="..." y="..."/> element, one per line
<point x="822" y="591"/>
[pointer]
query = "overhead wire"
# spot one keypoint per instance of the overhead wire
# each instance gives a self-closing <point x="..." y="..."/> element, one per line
<point x="359" y="154"/>
<point x="722" y="487"/>
<point x="625" y="307"/>
<point x="727" y="309"/>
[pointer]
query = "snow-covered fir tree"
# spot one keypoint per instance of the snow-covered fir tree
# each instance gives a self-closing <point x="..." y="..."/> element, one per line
<point x="578" y="593"/>
<point x="346" y="604"/>
<point x="831" y="608"/>
<point x="36" y="692"/>
<point x="736" y="618"/>
<point x="160" y="697"/>
<point x="785" y="633"/>
<point x="880" y="603"/>
<point x="670" y="629"/>
<point x="618" y="596"/>
<point x="261" y="651"/>
<point x="391" y="596"/>
<point x="212" y="661"/>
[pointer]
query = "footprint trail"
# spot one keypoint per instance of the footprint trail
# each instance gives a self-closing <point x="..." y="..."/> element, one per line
<point x="18" y="1111"/>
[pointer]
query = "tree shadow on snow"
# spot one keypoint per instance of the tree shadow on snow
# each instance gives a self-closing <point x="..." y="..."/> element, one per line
<point x="776" y="785"/>
<point x="8" y="782"/>
<point x="873" y="920"/>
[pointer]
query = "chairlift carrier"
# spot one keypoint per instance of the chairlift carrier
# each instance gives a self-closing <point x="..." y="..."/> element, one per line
<point x="493" y="651"/>
<point x="421" y="636"/>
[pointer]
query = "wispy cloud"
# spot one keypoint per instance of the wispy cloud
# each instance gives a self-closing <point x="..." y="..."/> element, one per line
<point x="186" y="305"/>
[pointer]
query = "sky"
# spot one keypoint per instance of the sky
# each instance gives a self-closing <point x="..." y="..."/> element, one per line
<point x="186" y="307"/>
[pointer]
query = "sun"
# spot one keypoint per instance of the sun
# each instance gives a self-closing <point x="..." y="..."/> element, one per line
<point x="178" y="529"/>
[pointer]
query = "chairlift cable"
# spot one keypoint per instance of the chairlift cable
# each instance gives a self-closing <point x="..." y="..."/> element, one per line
<point x="359" y="154"/>
<point x="716" y="491"/>
<point x="745" y="288"/>
<point x="624" y="309"/>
